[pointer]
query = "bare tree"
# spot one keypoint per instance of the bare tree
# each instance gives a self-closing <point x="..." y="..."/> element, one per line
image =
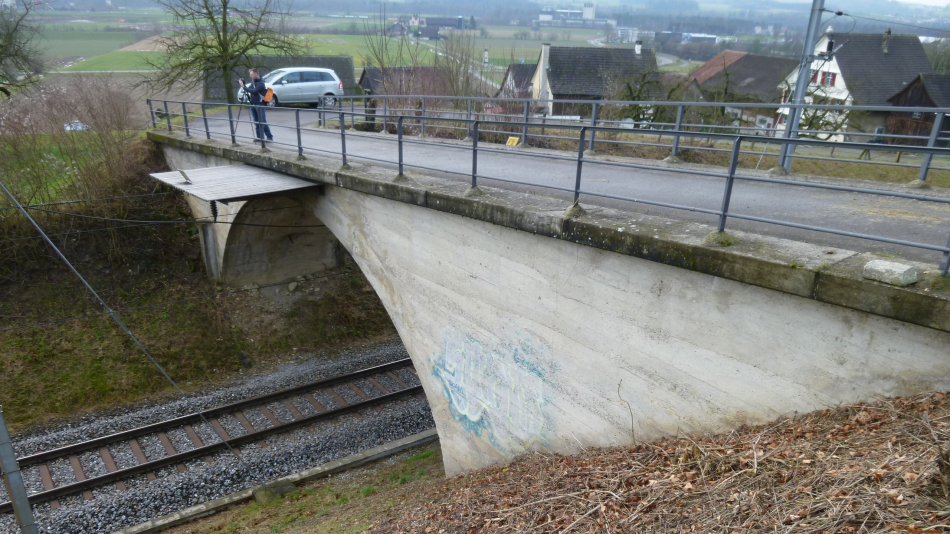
<point x="939" y="54"/>
<point x="456" y="60"/>
<point x="219" y="36"/>
<point x="20" y="57"/>
<point x="390" y="54"/>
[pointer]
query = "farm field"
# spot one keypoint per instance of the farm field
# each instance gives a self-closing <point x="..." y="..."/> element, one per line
<point x="114" y="61"/>
<point x="67" y="44"/>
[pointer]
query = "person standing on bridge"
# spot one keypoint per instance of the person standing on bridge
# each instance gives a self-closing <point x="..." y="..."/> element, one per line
<point x="255" y="92"/>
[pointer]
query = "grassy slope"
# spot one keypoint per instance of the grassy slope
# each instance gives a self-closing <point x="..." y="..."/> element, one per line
<point x="350" y="502"/>
<point x="863" y="468"/>
<point x="73" y="365"/>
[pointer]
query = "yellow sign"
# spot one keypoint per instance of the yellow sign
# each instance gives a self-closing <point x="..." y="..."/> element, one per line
<point x="513" y="141"/>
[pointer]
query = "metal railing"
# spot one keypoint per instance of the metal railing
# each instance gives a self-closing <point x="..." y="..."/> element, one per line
<point x="478" y="129"/>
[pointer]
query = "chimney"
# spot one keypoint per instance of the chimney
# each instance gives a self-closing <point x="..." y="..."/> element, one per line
<point x="638" y="48"/>
<point x="887" y="39"/>
<point x="543" y="88"/>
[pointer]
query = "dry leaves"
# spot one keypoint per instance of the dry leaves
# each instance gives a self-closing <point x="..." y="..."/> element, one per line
<point x="882" y="467"/>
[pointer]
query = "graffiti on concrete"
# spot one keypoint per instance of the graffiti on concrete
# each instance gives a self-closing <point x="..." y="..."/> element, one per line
<point x="495" y="391"/>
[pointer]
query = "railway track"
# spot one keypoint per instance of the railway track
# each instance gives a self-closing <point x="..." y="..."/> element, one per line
<point x="258" y="417"/>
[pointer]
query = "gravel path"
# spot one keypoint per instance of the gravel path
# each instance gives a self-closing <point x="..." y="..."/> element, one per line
<point x="111" y="509"/>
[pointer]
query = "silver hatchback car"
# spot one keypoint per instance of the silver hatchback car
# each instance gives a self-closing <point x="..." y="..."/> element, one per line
<point x="307" y="85"/>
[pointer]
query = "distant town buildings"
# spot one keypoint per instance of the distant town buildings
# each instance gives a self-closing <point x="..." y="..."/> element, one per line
<point x="576" y="18"/>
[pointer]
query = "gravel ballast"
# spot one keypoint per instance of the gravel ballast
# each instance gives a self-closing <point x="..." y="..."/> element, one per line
<point x="111" y="509"/>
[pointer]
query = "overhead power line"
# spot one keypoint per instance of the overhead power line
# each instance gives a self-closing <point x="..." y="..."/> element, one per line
<point x="112" y="314"/>
<point x="893" y="22"/>
<point x="80" y="201"/>
<point x="192" y="221"/>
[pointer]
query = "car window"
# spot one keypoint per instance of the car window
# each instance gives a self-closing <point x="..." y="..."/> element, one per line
<point x="310" y="76"/>
<point x="326" y="77"/>
<point x="291" y="77"/>
<point x="273" y="75"/>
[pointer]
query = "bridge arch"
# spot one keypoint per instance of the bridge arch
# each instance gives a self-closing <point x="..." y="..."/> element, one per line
<point x="275" y="239"/>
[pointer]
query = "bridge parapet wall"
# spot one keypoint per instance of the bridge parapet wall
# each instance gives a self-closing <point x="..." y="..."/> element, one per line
<point x="530" y="328"/>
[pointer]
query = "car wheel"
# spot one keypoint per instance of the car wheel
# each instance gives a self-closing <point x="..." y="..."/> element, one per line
<point x="273" y="102"/>
<point x="328" y="101"/>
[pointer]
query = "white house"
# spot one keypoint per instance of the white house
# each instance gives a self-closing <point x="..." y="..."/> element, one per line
<point x="860" y="69"/>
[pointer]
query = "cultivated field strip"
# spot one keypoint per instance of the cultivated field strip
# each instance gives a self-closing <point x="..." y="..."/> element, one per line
<point x="122" y="458"/>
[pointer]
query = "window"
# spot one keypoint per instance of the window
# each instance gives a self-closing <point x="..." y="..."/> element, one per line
<point x="309" y="76"/>
<point x="828" y="79"/>
<point x="273" y="75"/>
<point x="291" y="77"/>
<point x="326" y="77"/>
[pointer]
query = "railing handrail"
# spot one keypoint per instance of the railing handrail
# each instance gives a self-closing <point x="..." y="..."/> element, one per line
<point x="650" y="103"/>
<point x="476" y="126"/>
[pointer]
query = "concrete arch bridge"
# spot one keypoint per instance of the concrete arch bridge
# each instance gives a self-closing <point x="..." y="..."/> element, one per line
<point x="533" y="327"/>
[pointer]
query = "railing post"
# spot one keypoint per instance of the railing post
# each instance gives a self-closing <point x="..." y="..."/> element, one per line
<point x="260" y="126"/>
<point x="399" y="142"/>
<point x="184" y="113"/>
<point x="13" y="482"/>
<point x="932" y="142"/>
<point x="231" y="125"/>
<point x="204" y="118"/>
<point x="674" y="151"/>
<point x="945" y="264"/>
<point x="353" y="112"/>
<point x="151" y="113"/>
<point x="422" y="121"/>
<point x="469" y="127"/>
<point x="524" y="132"/>
<point x="299" y="141"/>
<point x="343" y="136"/>
<point x="580" y="163"/>
<point x="475" y="154"/>
<point x="593" y="124"/>
<point x="385" y="115"/>
<point x="727" y="195"/>
<point x="168" y="117"/>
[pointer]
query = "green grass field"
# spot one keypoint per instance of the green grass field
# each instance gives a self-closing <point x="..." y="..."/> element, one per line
<point x="115" y="61"/>
<point x="64" y="44"/>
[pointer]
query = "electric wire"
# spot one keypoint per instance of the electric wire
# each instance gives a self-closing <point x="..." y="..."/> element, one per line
<point x="116" y="318"/>
<point x="74" y="232"/>
<point x="893" y="22"/>
<point x="161" y="304"/>
<point x="80" y="201"/>
<point x="151" y="223"/>
<point x="192" y="221"/>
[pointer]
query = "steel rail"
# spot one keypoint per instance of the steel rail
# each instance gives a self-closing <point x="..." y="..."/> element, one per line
<point x="76" y="487"/>
<point x="52" y="454"/>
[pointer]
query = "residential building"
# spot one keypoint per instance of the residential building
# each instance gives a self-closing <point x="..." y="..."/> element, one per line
<point x="742" y="77"/>
<point x="928" y="91"/>
<point x="715" y="65"/>
<point x="405" y="81"/>
<point x="429" y="33"/>
<point x="590" y="73"/>
<point x="860" y="69"/>
<point x="517" y="81"/>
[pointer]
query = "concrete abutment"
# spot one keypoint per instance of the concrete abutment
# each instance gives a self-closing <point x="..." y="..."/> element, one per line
<point x="531" y="329"/>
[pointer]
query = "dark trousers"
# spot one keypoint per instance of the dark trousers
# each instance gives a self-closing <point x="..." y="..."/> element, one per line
<point x="260" y="120"/>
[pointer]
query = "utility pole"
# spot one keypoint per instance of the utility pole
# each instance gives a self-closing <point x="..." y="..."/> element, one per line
<point x="801" y="84"/>
<point x="13" y="481"/>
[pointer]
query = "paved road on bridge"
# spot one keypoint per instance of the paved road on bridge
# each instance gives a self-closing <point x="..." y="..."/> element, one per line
<point x="912" y="220"/>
